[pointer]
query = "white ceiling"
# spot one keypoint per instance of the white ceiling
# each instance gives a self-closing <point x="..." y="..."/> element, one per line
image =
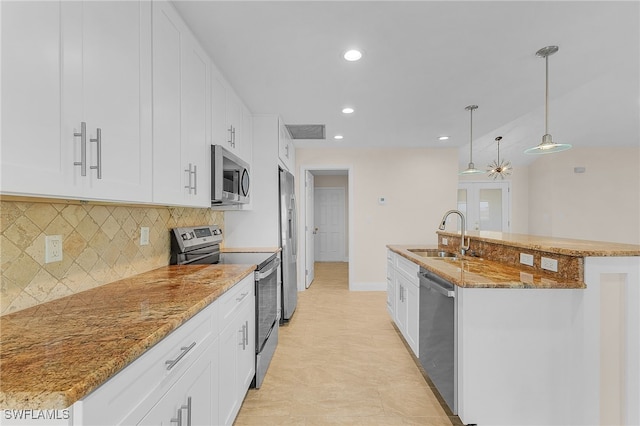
<point x="424" y="61"/>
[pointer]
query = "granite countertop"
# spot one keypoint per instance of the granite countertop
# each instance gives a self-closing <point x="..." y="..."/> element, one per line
<point x="566" y="246"/>
<point x="473" y="272"/>
<point x="54" y="354"/>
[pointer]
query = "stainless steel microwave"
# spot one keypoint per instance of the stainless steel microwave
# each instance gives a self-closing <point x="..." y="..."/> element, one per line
<point x="230" y="178"/>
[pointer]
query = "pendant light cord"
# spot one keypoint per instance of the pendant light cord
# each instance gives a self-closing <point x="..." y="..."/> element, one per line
<point x="471" y="137"/>
<point x="546" y="96"/>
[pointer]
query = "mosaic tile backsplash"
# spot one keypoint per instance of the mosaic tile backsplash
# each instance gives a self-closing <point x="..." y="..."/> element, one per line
<point x="101" y="244"/>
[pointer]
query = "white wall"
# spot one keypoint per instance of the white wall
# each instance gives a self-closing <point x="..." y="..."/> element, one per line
<point x="602" y="204"/>
<point x="419" y="186"/>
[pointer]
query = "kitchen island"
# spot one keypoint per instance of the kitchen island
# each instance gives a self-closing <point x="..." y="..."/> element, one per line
<point x="56" y="354"/>
<point x="536" y="346"/>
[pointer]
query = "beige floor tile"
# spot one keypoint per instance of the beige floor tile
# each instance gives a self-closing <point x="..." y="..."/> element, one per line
<point x="340" y="361"/>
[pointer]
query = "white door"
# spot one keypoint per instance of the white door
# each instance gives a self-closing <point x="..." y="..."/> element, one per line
<point x="330" y="221"/>
<point x="485" y="205"/>
<point x="310" y="229"/>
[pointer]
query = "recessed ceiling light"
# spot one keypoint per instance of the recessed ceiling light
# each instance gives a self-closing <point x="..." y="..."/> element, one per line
<point x="347" y="110"/>
<point x="443" y="138"/>
<point x="352" y="55"/>
<point x="338" y="137"/>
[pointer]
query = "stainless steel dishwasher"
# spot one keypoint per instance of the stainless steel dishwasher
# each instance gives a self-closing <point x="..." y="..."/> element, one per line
<point x="438" y="350"/>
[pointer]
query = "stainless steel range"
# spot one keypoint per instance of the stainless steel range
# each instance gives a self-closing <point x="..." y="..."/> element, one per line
<point x="197" y="245"/>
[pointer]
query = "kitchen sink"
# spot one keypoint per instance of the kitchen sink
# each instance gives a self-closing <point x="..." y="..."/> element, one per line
<point x="433" y="253"/>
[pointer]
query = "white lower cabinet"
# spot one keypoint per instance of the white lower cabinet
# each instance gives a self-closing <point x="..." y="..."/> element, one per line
<point x="190" y="400"/>
<point x="403" y="297"/>
<point x="237" y="350"/>
<point x="197" y="375"/>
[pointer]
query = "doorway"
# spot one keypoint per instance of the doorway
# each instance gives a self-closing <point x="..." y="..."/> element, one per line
<point x="326" y="218"/>
<point x="486" y="205"/>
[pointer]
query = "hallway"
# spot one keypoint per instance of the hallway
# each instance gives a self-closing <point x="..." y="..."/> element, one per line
<point x="340" y="361"/>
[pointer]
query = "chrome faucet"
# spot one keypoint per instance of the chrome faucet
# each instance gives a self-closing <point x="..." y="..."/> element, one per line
<point x="463" y="247"/>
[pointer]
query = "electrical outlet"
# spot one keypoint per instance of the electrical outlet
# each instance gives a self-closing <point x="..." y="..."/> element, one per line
<point x="526" y="259"/>
<point x="445" y="242"/>
<point x="549" y="264"/>
<point x="144" y="236"/>
<point x="52" y="248"/>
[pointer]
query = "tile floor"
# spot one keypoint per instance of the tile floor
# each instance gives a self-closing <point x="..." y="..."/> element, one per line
<point x="340" y="361"/>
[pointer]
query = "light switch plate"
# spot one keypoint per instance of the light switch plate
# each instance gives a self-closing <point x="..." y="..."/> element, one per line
<point x="526" y="259"/>
<point x="445" y="242"/>
<point x="52" y="248"/>
<point x="549" y="264"/>
<point x="144" y="236"/>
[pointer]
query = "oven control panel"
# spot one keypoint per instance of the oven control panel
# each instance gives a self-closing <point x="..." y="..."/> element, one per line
<point x="192" y="237"/>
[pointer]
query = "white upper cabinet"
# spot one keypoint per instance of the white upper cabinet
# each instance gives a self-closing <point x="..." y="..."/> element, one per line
<point x="36" y="154"/>
<point x="68" y="63"/>
<point x="229" y="118"/>
<point x="286" y="151"/>
<point x="181" y="111"/>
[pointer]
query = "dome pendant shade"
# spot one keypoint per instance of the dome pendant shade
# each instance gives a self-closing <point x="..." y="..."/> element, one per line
<point x="547" y="146"/>
<point x="471" y="169"/>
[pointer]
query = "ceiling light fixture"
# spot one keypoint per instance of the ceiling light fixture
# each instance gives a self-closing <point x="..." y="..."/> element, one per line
<point x="547" y="146"/>
<point x="352" y="55"/>
<point x="347" y="110"/>
<point x="443" y="138"/>
<point x="499" y="168"/>
<point x="471" y="169"/>
<point x="338" y="137"/>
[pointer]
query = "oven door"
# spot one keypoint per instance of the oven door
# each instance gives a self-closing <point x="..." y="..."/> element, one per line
<point x="266" y="301"/>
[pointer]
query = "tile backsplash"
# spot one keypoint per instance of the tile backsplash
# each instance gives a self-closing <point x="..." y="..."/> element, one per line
<point x="101" y="244"/>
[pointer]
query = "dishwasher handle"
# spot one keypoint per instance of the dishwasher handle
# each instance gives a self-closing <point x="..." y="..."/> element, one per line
<point x="437" y="284"/>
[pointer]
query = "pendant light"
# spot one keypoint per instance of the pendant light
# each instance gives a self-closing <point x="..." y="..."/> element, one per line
<point x="499" y="168"/>
<point x="471" y="169"/>
<point x="547" y="146"/>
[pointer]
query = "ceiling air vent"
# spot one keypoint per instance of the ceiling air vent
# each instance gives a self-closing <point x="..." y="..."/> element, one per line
<point x="306" y="131"/>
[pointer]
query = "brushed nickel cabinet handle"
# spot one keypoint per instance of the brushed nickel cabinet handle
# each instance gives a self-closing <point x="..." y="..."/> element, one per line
<point x="189" y="172"/>
<point x="188" y="407"/>
<point x="243" y="330"/>
<point x="195" y="180"/>
<point x="172" y="362"/>
<point x="83" y="149"/>
<point x="98" y="141"/>
<point x="178" y="420"/>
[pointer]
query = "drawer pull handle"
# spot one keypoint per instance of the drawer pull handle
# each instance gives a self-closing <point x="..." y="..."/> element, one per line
<point x="172" y="362"/>
<point x="242" y="296"/>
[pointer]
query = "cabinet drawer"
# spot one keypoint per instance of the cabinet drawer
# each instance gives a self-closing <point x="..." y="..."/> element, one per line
<point x="408" y="269"/>
<point x="236" y="298"/>
<point x="149" y="377"/>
